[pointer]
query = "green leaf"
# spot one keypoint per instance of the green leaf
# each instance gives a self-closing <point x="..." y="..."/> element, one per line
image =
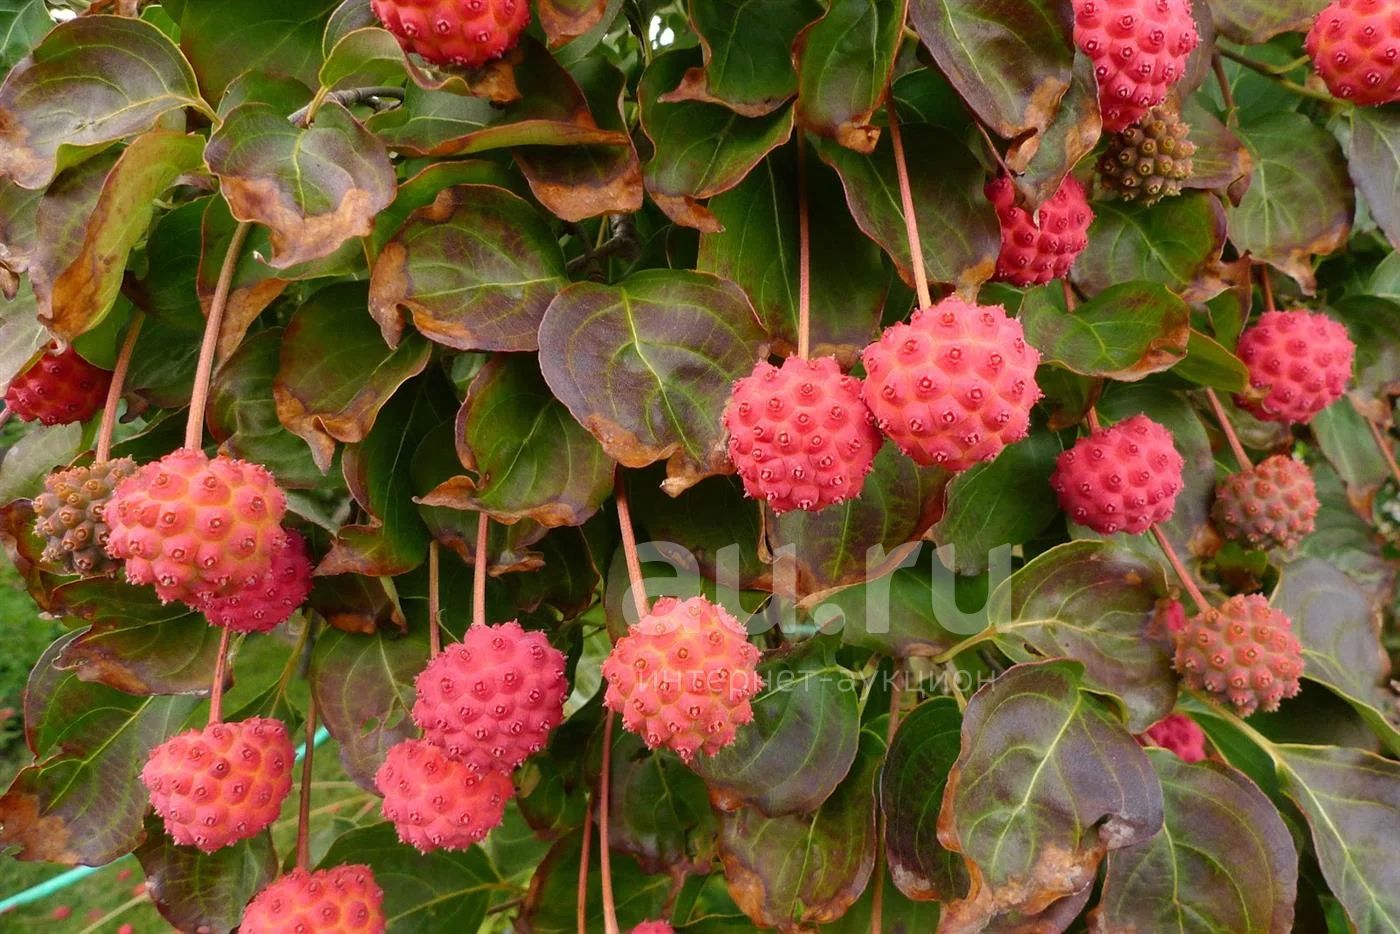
<point x="699" y="149"/>
<point x="18" y="213"/>
<point x="748" y="59"/>
<point x="1342" y="434"/>
<point x="844" y="64"/>
<point x="911" y="792"/>
<point x="335" y="371"/>
<point x="1012" y="63"/>
<point x="551" y="905"/>
<point x="801" y="743"/>
<point x="92" y="81"/>
<point x="714" y="521"/>
<point x="82" y="801"/>
<point x="193" y="889"/>
<point x="646" y="366"/>
<point x="1047" y="783"/>
<point x="21" y="335"/>
<point x="368" y="57"/>
<point x="1208" y="363"/>
<point x="758" y="251"/>
<point x="1224" y="860"/>
<point x="659" y="813"/>
<point x="421" y="188"/>
<point x="1125" y="332"/>
<point x="907" y="613"/>
<point x="951" y="210"/>
<point x="1343" y="539"/>
<point x="476" y="270"/>
<point x="224" y="40"/>
<point x="1174" y="242"/>
<point x="1256" y="21"/>
<point x="314" y="188"/>
<point x="22" y="24"/>
<point x="1221" y="162"/>
<point x="32" y="457"/>
<point x="530" y="459"/>
<point x="1374" y="324"/>
<point x="1300" y="202"/>
<point x="797" y="869"/>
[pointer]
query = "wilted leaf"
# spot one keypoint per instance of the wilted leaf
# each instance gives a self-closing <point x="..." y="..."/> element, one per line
<point x="1125" y="332"/>
<point x="1173" y="243"/>
<point x="1221" y="162"/>
<point x="476" y="269"/>
<point x="223" y="40"/>
<point x="92" y="81"/>
<point x="1050" y="155"/>
<point x="193" y="889"/>
<point x="646" y="365"/>
<point x="1048" y="782"/>
<point x="911" y="791"/>
<point x="566" y="19"/>
<point x="844" y="63"/>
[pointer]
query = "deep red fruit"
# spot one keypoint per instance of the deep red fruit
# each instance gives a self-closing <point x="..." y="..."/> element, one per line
<point x="466" y="33"/>
<point x="437" y="803"/>
<point x="1177" y="733"/>
<point x="800" y="435"/>
<point x="1139" y="50"/>
<point x="683" y="677"/>
<point x="70" y="516"/>
<point x="953" y="386"/>
<point x="1243" y="651"/>
<point x="196" y="528"/>
<point x="267" y="603"/>
<point x="221" y="784"/>
<point x="492" y="699"/>
<point x="1269" y="505"/>
<point x="1124" y="478"/>
<point x="1035" y="251"/>
<point x="1299" y="363"/>
<point x="1355" y="48"/>
<point x="58" y="388"/>
<point x="342" y="900"/>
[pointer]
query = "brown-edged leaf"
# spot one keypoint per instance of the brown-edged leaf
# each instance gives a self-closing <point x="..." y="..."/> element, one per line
<point x="567" y="19"/>
<point x="194" y="890"/>
<point x="1258" y="21"/>
<point x="911" y="791"/>
<point x="844" y="63"/>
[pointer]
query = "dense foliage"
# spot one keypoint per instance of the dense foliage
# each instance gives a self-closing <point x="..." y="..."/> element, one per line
<point x="522" y="327"/>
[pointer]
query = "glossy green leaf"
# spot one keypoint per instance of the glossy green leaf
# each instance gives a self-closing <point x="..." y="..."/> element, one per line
<point x="844" y="64"/>
<point x="33" y="456"/>
<point x="1208" y="363"/>
<point x="222" y="40"/>
<point x="1345" y="439"/>
<point x="368" y="57"/>
<point x="22" y="24"/>
<point x="911" y="792"/>
<point x="193" y="889"/>
<point x="1173" y="243"/>
<point x="1125" y="332"/>
<point x="21" y="335"/>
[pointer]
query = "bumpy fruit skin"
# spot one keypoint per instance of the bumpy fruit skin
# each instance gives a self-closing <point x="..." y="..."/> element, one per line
<point x="221" y="784"/>
<point x="69" y="516"/>
<point x="196" y="528"/>
<point x="954" y="385"/>
<point x="1270" y="505"/>
<point x="436" y="802"/>
<point x="1148" y="162"/>
<point x="800" y="434"/>
<point x="1179" y="734"/>
<point x="1299" y="363"/>
<point x="1123" y="478"/>
<point x="683" y="677"/>
<point x="341" y="900"/>
<point x="1355" y="48"/>
<point x="654" y="927"/>
<point x="1242" y="651"/>
<point x="492" y="699"/>
<point x="1035" y="251"/>
<point x="1139" y="49"/>
<point x="58" y="388"/>
<point x="275" y="596"/>
<point x="466" y="33"/>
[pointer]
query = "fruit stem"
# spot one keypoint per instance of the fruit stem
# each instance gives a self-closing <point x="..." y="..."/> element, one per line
<point x="1182" y="574"/>
<point x="1092" y="416"/>
<point x="906" y="198"/>
<point x="434" y="602"/>
<point x="204" y="369"/>
<point x="1383" y="444"/>
<point x="877" y="898"/>
<point x="114" y="392"/>
<point x="1272" y="73"/>
<point x="1228" y="96"/>
<point x="5" y="415"/>
<point x="583" y="862"/>
<point x="804" y="254"/>
<point x="1229" y="430"/>
<point x="604" y="859"/>
<point x="1267" y="286"/>
<point x="304" y="812"/>
<point x="483" y="529"/>
<point x="629" y="545"/>
<point x="216" y="692"/>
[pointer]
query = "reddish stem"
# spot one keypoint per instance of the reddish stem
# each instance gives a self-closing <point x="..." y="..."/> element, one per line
<point x="204" y="369"/>
<point x="304" y="815"/>
<point x="1092" y="416"/>
<point x="434" y="602"/>
<point x="629" y="546"/>
<point x="906" y="198"/>
<point x="1229" y="430"/>
<point x="1383" y="445"/>
<point x="1267" y="285"/>
<point x="1182" y="574"/>
<point x="583" y="871"/>
<point x="483" y="530"/>
<point x="804" y="254"/>
<point x="604" y="855"/>
<point x="114" y="392"/>
<point x="216" y="692"/>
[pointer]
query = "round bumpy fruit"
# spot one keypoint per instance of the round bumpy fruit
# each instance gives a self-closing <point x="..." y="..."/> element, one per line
<point x="683" y="677"/>
<point x="492" y="699"/>
<point x="953" y="386"/>
<point x="1124" y="478"/>
<point x="800" y="435"/>
<point x="1139" y="50"/>
<point x="436" y="802"/>
<point x="1179" y="734"/>
<point x="654" y="927"/>
<point x="69" y="516"/>
<point x="267" y="603"/>
<point x="1242" y="651"/>
<point x="466" y="33"/>
<point x="1037" y="250"/>
<point x="58" y="388"/>
<point x="1299" y="363"/>
<point x="1148" y="162"/>
<point x="1270" y="505"/>
<point x="341" y="900"/>
<point x="221" y="784"/>
<point x="1355" y="48"/>
<point x="196" y="528"/>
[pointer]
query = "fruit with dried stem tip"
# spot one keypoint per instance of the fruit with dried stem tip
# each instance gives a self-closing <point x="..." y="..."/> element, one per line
<point x="340" y="900"/>
<point x="268" y="602"/>
<point x="1122" y="478"/>
<point x="1299" y="363"/>
<point x="1179" y="734"/>
<point x="1149" y="161"/>
<point x="69" y="516"/>
<point x="1355" y="48"/>
<point x="436" y="802"/>
<point x="1037" y="250"/>
<point x="1270" y="505"/>
<point x="1243" y="652"/>
<point x="1139" y="50"/>
<point x="58" y="388"/>
<point x="464" y="33"/>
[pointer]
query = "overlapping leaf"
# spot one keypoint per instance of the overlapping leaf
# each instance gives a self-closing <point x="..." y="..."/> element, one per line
<point x="911" y="791"/>
<point x="844" y="63"/>
<point x="223" y="40"/>
<point x="1173" y="243"/>
<point x="1126" y="332"/>
<point x="193" y="889"/>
